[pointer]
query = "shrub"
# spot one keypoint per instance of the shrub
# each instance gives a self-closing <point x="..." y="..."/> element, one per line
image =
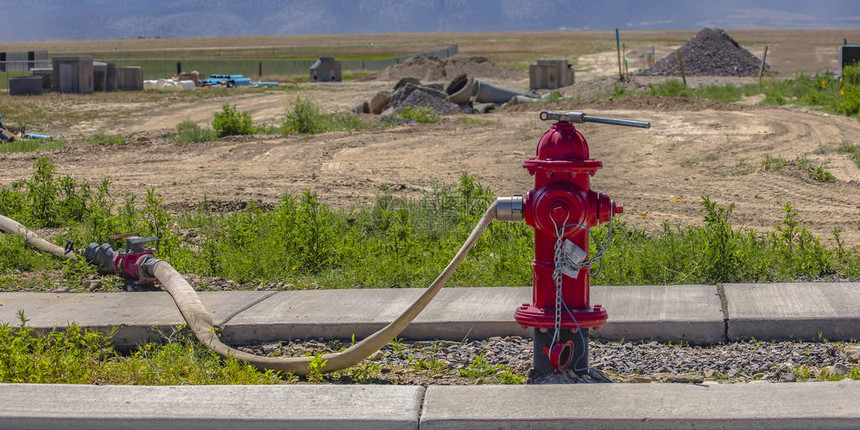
<point x="303" y="118"/>
<point x="850" y="104"/>
<point x="230" y="122"/>
<point x="851" y="75"/>
<point x="821" y="174"/>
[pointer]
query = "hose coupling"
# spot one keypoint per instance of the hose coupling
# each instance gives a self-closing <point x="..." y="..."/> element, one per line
<point x="509" y="208"/>
<point x="146" y="264"/>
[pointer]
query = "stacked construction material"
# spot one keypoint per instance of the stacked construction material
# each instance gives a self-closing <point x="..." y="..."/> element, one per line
<point x="232" y="81"/>
<point x="712" y="52"/>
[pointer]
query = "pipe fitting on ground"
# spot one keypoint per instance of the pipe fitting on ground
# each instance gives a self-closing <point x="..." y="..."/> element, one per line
<point x="146" y="265"/>
<point x="560" y="355"/>
<point x="509" y="208"/>
<point x="100" y="255"/>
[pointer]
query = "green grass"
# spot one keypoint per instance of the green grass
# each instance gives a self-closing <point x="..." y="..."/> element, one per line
<point x="480" y="368"/>
<point x="398" y="242"/>
<point x="104" y="139"/>
<point x="822" y="92"/>
<point x="421" y="114"/>
<point x="33" y="145"/>
<point x="76" y="355"/>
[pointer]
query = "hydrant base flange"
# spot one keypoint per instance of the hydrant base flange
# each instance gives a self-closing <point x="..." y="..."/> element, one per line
<point x="529" y="315"/>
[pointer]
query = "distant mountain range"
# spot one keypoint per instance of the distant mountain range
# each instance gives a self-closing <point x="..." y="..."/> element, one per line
<point x="108" y="19"/>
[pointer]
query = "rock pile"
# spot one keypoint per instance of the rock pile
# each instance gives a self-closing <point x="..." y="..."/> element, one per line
<point x="463" y="94"/>
<point x="408" y="93"/>
<point x="712" y="52"/>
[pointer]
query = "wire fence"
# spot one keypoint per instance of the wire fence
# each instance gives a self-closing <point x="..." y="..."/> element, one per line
<point x="164" y="68"/>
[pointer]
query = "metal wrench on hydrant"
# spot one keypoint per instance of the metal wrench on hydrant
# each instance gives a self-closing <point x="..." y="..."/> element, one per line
<point x="562" y="208"/>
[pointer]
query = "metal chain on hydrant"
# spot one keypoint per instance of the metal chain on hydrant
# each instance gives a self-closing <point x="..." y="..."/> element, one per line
<point x="560" y="260"/>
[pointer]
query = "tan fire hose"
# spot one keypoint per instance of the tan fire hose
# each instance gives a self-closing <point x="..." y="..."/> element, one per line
<point x="11" y="226"/>
<point x="199" y="319"/>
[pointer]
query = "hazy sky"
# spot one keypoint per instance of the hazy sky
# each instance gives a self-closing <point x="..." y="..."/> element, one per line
<point x="104" y="19"/>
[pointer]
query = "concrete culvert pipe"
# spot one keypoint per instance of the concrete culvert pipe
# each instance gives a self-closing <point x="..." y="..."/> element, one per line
<point x="199" y="319"/>
<point x="486" y="92"/>
<point x="460" y="89"/>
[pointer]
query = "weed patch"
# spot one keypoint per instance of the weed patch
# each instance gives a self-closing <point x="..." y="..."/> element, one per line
<point x="106" y="139"/>
<point x="816" y="173"/>
<point x="305" y="117"/>
<point x="77" y="355"/>
<point x="421" y="114"/>
<point x="480" y="368"/>
<point x="189" y="132"/>
<point x="399" y="242"/>
<point x="822" y="92"/>
<point x="853" y="151"/>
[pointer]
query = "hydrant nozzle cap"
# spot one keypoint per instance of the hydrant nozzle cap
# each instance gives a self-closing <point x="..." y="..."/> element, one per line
<point x="509" y="208"/>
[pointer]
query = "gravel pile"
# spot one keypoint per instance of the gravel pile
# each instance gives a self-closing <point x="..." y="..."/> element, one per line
<point x="416" y="96"/>
<point x="506" y="360"/>
<point x="712" y="52"/>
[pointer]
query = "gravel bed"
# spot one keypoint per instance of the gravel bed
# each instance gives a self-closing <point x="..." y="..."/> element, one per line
<point x="509" y="360"/>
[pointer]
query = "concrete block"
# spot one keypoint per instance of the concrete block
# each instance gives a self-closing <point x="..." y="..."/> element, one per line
<point x="35" y="406"/>
<point x="110" y="77"/>
<point x="73" y="74"/>
<point x="643" y="406"/>
<point x="138" y="317"/>
<point x="550" y="74"/>
<point x="16" y="61"/>
<point x="800" y="311"/>
<point x="848" y="55"/>
<point x="99" y="75"/>
<point x="129" y="78"/>
<point x="25" y="86"/>
<point x="326" y="69"/>
<point x="47" y="74"/>
<point x="673" y="313"/>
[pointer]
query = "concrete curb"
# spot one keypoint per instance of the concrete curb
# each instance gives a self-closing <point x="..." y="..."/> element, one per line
<point x="34" y="406"/>
<point x="698" y="314"/>
<point x="798" y="311"/>
<point x="643" y="406"/>
<point x="821" y="405"/>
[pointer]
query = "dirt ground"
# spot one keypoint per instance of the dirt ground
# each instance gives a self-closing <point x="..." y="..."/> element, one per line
<point x="694" y="148"/>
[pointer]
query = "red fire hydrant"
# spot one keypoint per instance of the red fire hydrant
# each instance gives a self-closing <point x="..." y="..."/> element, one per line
<point x="562" y="208"/>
